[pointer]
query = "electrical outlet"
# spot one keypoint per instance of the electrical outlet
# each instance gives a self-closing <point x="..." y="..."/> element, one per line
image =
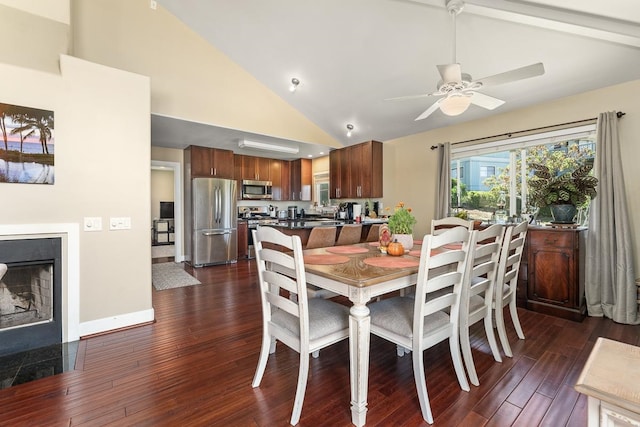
<point x="153" y="4"/>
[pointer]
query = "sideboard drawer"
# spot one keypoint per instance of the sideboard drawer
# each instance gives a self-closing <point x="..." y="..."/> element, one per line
<point x="552" y="239"/>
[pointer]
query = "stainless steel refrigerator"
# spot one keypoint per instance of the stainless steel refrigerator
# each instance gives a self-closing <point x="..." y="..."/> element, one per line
<point x="211" y="223"/>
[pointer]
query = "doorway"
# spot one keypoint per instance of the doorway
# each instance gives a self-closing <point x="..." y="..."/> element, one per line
<point x="178" y="202"/>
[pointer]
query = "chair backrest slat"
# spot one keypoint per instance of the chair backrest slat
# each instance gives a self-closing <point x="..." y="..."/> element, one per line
<point x="484" y="255"/>
<point x="439" y="226"/>
<point x="443" y="272"/>
<point x="510" y="258"/>
<point x="281" y="270"/>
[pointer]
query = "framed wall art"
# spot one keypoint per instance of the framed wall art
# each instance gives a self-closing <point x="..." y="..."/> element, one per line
<point x="27" y="148"/>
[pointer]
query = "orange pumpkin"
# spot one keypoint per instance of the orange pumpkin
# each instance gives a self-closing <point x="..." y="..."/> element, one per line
<point x="395" y="248"/>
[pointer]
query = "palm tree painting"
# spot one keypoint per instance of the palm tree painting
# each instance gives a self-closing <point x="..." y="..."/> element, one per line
<point x="27" y="148"/>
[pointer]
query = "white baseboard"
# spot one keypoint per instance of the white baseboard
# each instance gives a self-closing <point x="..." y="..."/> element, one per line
<point x="116" y="322"/>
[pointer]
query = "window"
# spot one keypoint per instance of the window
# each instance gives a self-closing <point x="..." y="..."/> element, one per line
<point x="501" y="166"/>
<point x="487" y="171"/>
<point x="321" y="187"/>
<point x="455" y="170"/>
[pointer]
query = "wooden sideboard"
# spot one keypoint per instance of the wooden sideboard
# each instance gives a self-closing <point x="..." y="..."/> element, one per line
<point x="551" y="278"/>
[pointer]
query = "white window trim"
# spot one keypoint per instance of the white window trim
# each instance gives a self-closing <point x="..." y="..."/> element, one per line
<point x="513" y="145"/>
<point x="521" y="142"/>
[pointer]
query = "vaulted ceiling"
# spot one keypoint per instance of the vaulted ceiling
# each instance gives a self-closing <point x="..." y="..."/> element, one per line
<point x="351" y="55"/>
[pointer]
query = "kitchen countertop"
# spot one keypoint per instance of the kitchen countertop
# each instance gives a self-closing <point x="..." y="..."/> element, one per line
<point x="312" y="222"/>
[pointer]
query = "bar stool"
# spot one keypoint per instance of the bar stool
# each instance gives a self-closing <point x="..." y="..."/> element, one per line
<point x="374" y="233"/>
<point x="321" y="237"/>
<point x="349" y="234"/>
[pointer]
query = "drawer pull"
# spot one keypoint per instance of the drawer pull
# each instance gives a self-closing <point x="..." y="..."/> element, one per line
<point x="550" y="241"/>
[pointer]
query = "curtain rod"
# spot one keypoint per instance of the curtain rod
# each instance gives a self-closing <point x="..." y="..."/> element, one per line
<point x="619" y="114"/>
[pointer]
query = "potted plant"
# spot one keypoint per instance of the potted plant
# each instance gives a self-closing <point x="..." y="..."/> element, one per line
<point x="563" y="192"/>
<point x="401" y="225"/>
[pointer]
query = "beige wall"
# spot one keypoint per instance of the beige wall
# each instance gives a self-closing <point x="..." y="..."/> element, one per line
<point x="161" y="190"/>
<point x="102" y="158"/>
<point x="190" y="79"/>
<point x="57" y="10"/>
<point x="167" y="155"/>
<point x="320" y="164"/>
<point x="410" y="166"/>
<point x="36" y="34"/>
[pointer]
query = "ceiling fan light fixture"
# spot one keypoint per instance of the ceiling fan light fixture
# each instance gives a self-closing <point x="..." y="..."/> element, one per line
<point x="455" y="105"/>
<point x="245" y="143"/>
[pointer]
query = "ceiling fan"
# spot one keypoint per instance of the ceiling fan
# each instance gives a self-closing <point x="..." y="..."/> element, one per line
<point x="459" y="90"/>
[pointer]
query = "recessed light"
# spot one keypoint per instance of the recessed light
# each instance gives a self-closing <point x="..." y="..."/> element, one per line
<point x="349" y="130"/>
<point x="294" y="84"/>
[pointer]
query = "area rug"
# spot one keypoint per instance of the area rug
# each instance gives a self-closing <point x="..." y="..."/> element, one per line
<point x="169" y="275"/>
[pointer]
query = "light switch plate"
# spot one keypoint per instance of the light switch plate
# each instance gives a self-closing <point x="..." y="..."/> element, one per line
<point x="120" y="223"/>
<point x="93" y="223"/>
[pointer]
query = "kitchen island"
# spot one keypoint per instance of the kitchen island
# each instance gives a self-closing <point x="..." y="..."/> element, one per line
<point x="302" y="227"/>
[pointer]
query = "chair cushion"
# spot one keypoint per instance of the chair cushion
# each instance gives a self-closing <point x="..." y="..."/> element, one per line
<point x="475" y="302"/>
<point x="396" y="315"/>
<point x="325" y="318"/>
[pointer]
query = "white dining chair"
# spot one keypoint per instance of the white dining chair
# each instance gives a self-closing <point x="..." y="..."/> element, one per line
<point x="506" y="282"/>
<point x="305" y="325"/>
<point x="476" y="300"/>
<point x="421" y="322"/>
<point x="438" y="226"/>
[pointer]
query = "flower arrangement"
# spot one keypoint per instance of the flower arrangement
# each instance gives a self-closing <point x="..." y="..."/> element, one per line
<point x="402" y="220"/>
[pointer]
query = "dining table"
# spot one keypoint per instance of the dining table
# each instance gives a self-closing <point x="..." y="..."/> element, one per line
<point x="360" y="272"/>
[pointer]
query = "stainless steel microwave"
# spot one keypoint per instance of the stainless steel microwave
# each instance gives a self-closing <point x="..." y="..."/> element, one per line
<point x="256" y="190"/>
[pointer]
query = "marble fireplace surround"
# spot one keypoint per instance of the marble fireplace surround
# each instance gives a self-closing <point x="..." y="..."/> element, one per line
<point x="70" y="235"/>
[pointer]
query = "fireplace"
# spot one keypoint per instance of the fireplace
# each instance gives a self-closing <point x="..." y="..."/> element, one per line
<point x="30" y="294"/>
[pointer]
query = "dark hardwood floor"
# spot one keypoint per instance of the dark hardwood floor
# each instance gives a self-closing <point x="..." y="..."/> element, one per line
<point x="194" y="367"/>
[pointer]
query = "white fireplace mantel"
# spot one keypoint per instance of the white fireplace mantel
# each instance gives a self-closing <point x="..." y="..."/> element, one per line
<point x="70" y="234"/>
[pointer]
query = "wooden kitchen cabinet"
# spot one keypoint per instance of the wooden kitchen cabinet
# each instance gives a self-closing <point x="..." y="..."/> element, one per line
<point x="243" y="239"/>
<point x="254" y="168"/>
<point x="366" y="170"/>
<point x="301" y="180"/>
<point x="237" y="173"/>
<point x="209" y="162"/>
<point x="356" y="171"/>
<point x="335" y="177"/>
<point x="555" y="271"/>
<point x="275" y="172"/>
<point x="285" y="180"/>
<point x="259" y="169"/>
<point x="340" y="174"/>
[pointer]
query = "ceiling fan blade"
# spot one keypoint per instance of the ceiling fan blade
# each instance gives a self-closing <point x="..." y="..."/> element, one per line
<point x="429" y="110"/>
<point x="513" y="75"/>
<point x="450" y="72"/>
<point x="408" y="97"/>
<point x="485" y="101"/>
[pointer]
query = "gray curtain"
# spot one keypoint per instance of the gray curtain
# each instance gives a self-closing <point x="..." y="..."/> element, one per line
<point x="443" y="197"/>
<point x="610" y="288"/>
